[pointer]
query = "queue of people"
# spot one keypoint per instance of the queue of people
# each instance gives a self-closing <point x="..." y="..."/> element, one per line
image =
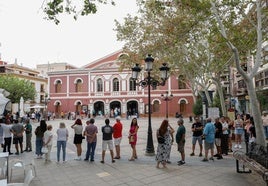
<point x="216" y="133"/>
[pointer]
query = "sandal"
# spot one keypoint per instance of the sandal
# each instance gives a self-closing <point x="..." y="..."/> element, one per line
<point x="131" y="159"/>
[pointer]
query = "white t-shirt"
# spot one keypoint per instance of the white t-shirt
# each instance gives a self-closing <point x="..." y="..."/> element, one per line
<point x="7" y="128"/>
<point x="62" y="134"/>
<point x="47" y="135"/>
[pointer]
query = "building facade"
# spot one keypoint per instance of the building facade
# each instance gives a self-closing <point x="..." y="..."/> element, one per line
<point x="99" y="88"/>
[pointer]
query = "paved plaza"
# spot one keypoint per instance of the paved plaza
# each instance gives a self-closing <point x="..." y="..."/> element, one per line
<point x="142" y="171"/>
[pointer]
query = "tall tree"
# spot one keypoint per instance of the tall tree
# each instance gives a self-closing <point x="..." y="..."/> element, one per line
<point x="53" y="8"/>
<point x="17" y="88"/>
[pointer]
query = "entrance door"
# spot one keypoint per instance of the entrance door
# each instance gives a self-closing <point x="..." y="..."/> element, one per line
<point x="115" y="109"/>
<point x="98" y="109"/>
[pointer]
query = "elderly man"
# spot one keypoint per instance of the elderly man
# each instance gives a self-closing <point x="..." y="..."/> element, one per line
<point x="209" y="135"/>
<point x="180" y="140"/>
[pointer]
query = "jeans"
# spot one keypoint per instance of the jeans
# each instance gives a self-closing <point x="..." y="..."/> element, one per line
<point x="38" y="146"/>
<point x="61" y="144"/>
<point x="265" y="131"/>
<point x="91" y="150"/>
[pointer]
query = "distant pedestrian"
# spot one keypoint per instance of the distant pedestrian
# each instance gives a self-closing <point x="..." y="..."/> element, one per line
<point x="17" y="129"/>
<point x="265" y="123"/>
<point x="224" y="136"/>
<point x="239" y="131"/>
<point x="180" y="140"/>
<point x="117" y="135"/>
<point x="197" y="129"/>
<point x="28" y="132"/>
<point x="62" y="134"/>
<point x="91" y="134"/>
<point x="47" y="142"/>
<point x="133" y="138"/>
<point x="209" y="135"/>
<point x="107" y="140"/>
<point x="163" y="149"/>
<point x="2" y="132"/>
<point x="39" y="133"/>
<point x="78" y="137"/>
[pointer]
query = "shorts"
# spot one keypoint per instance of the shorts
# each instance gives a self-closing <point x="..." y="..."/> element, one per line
<point x="209" y="146"/>
<point x="117" y="141"/>
<point x="218" y="142"/>
<point x="78" y="138"/>
<point x="107" y="143"/>
<point x="181" y="147"/>
<point x="239" y="131"/>
<point x="17" y="140"/>
<point x="197" y="138"/>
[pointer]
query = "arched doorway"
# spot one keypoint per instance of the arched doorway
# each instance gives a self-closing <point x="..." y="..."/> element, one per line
<point x="115" y="108"/>
<point x="57" y="109"/>
<point x="132" y="108"/>
<point x="78" y="107"/>
<point x="98" y="109"/>
<point x="182" y="107"/>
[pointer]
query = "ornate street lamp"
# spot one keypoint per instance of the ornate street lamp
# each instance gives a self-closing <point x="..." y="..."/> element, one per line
<point x="167" y="97"/>
<point x="147" y="82"/>
<point x="47" y="100"/>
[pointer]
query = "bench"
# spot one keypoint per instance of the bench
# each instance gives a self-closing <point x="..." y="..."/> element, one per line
<point x="251" y="164"/>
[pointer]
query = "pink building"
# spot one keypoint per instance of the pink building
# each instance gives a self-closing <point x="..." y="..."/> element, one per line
<point x="101" y="89"/>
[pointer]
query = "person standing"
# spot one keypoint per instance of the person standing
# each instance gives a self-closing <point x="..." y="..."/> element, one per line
<point x="133" y="138"/>
<point x="107" y="140"/>
<point x="209" y="135"/>
<point x="39" y="132"/>
<point x="218" y="136"/>
<point x="17" y="129"/>
<point x="238" y="126"/>
<point x="265" y="123"/>
<point x="91" y="134"/>
<point x="117" y="135"/>
<point x="180" y="140"/>
<point x="47" y="142"/>
<point x="28" y="131"/>
<point x="197" y="129"/>
<point x="62" y="134"/>
<point x="78" y="137"/>
<point x="225" y="136"/>
<point x="7" y="136"/>
<point x="163" y="149"/>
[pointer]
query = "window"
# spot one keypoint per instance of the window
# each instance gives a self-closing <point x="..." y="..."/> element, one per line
<point x="78" y="85"/>
<point x="181" y="82"/>
<point x="99" y="85"/>
<point x="132" y="84"/>
<point x="58" y="86"/>
<point x="115" y="84"/>
<point x="156" y="106"/>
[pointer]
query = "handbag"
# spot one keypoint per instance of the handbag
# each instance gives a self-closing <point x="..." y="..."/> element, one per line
<point x="44" y="150"/>
<point x="160" y="139"/>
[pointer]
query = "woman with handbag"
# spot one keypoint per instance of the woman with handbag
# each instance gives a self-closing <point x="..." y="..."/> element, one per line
<point x="133" y="138"/>
<point x="163" y="136"/>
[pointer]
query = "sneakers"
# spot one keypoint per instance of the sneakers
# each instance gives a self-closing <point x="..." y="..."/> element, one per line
<point x="240" y="146"/>
<point x="211" y="158"/>
<point x="78" y="158"/>
<point x="117" y="157"/>
<point x="219" y="157"/>
<point x="205" y="159"/>
<point x="200" y="154"/>
<point x="181" y="162"/>
<point x="192" y="154"/>
<point x="236" y="146"/>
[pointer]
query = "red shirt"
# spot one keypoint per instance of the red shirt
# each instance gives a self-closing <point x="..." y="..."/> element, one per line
<point x="118" y="127"/>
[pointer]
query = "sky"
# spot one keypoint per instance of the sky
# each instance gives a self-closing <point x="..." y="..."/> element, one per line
<point x="32" y="40"/>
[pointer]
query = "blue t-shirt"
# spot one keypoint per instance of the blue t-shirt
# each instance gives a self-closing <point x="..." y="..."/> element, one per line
<point x="209" y="132"/>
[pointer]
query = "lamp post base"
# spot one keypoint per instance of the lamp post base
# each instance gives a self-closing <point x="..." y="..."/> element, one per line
<point x="149" y="154"/>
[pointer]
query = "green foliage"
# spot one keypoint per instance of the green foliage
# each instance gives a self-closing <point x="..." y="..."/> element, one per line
<point x="262" y="97"/>
<point x="217" y="102"/>
<point x="17" y="88"/>
<point x="198" y="107"/>
<point x="54" y="8"/>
